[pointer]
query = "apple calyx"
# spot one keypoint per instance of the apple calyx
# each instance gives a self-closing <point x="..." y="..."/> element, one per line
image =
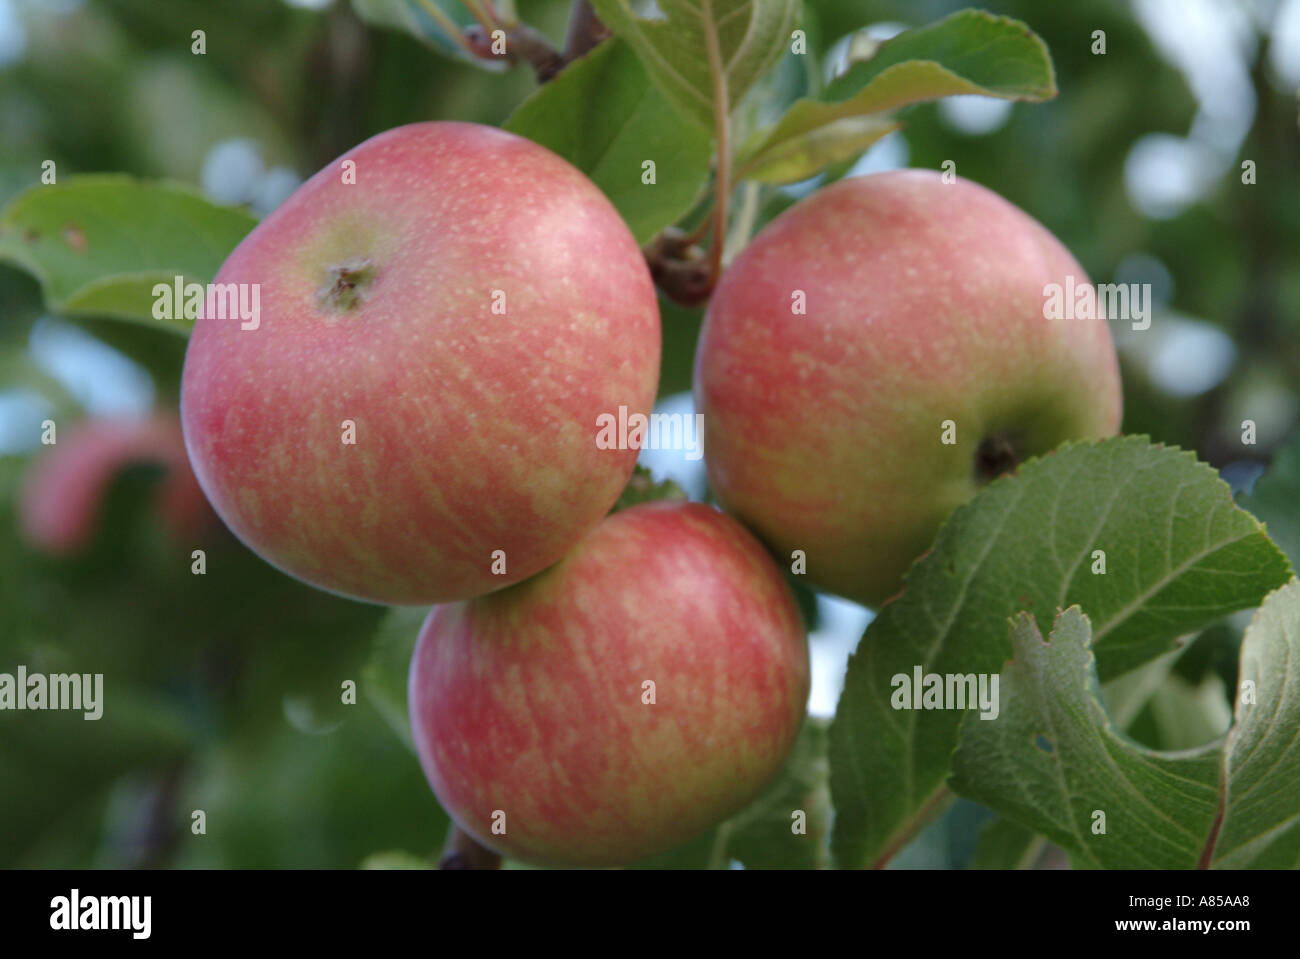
<point x="643" y="488"/>
<point x="679" y="267"/>
<point x="998" y="454"/>
<point x="347" y="285"/>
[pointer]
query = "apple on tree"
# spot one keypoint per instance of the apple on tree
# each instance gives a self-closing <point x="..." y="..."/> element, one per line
<point x="639" y="691"/>
<point x="878" y="353"/>
<point x="444" y="313"/>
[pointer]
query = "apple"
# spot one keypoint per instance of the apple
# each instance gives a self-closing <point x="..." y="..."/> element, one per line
<point x="639" y="691"/>
<point x="878" y="353"/>
<point x="62" y="497"/>
<point x="411" y="416"/>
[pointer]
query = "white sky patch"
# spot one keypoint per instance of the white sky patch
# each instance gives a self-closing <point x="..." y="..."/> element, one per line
<point x="889" y="153"/>
<point x="104" y="381"/>
<point x="1284" y="48"/>
<point x="840" y="627"/>
<point x="975" y="115"/>
<point x="21" y="414"/>
<point x="13" y="36"/>
<point x="1212" y="44"/>
<point x="673" y="464"/>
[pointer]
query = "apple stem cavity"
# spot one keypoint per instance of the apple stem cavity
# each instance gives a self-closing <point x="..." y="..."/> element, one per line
<point x="997" y="455"/>
<point x="347" y="285"/>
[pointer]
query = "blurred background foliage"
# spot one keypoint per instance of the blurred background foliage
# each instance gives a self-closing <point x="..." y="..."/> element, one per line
<point x="224" y="689"/>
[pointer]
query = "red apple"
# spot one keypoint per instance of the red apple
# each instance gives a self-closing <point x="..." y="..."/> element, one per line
<point x="470" y="304"/>
<point x="825" y="430"/>
<point x="63" y="494"/>
<point x="529" y="706"/>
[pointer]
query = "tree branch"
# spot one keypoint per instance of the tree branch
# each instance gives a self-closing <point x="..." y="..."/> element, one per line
<point x="585" y="31"/>
<point x="722" y="133"/>
<point x="462" y="851"/>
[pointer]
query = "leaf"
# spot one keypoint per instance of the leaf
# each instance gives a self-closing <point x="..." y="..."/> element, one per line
<point x="98" y="244"/>
<point x="1004" y="844"/>
<point x="799" y="158"/>
<point x="1186" y="716"/>
<point x="395" y="859"/>
<point x="1179" y="555"/>
<point x="384" y="676"/>
<point x="762" y="835"/>
<point x="1126" y="695"/>
<point x="432" y="21"/>
<point x="1275" y="497"/>
<point x="604" y="116"/>
<point x="970" y="52"/>
<point x="1261" y="828"/>
<point x="751" y="35"/>
<point x="1054" y="759"/>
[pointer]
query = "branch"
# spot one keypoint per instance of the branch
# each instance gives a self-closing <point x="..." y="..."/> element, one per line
<point x="523" y="45"/>
<point x="585" y="31"/>
<point x="722" y="132"/>
<point x="462" y="851"/>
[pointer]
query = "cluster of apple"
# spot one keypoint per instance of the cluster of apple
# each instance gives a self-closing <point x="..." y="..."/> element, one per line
<point x="447" y="314"/>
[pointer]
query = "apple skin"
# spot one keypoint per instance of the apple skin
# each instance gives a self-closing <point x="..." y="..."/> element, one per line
<point x="62" y="496"/>
<point x="529" y="700"/>
<point x="475" y="431"/>
<point x="924" y="304"/>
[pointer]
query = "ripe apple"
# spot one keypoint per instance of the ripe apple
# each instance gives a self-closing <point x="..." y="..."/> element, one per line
<point x="862" y="332"/>
<point x="639" y="691"/>
<point x="62" y="496"/>
<point x="444" y="313"/>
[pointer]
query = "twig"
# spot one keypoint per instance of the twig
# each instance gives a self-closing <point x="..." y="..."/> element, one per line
<point x="721" y="131"/>
<point x="462" y="851"/>
<point x="585" y="31"/>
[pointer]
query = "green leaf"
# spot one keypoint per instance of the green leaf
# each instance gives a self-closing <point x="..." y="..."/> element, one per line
<point x="1179" y="554"/>
<point x="98" y="244"/>
<point x="395" y="859"/>
<point x="1004" y="844"/>
<point x="1275" y="496"/>
<point x="1054" y="759"/>
<point x="604" y="116"/>
<point x="1261" y="827"/>
<point x="1126" y="695"/>
<point x="1187" y="716"/>
<point x="763" y="834"/>
<point x="798" y="158"/>
<point x="642" y="488"/>
<point x="432" y="21"/>
<point x="970" y="52"/>
<point x="751" y="36"/>
<point x="384" y="677"/>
